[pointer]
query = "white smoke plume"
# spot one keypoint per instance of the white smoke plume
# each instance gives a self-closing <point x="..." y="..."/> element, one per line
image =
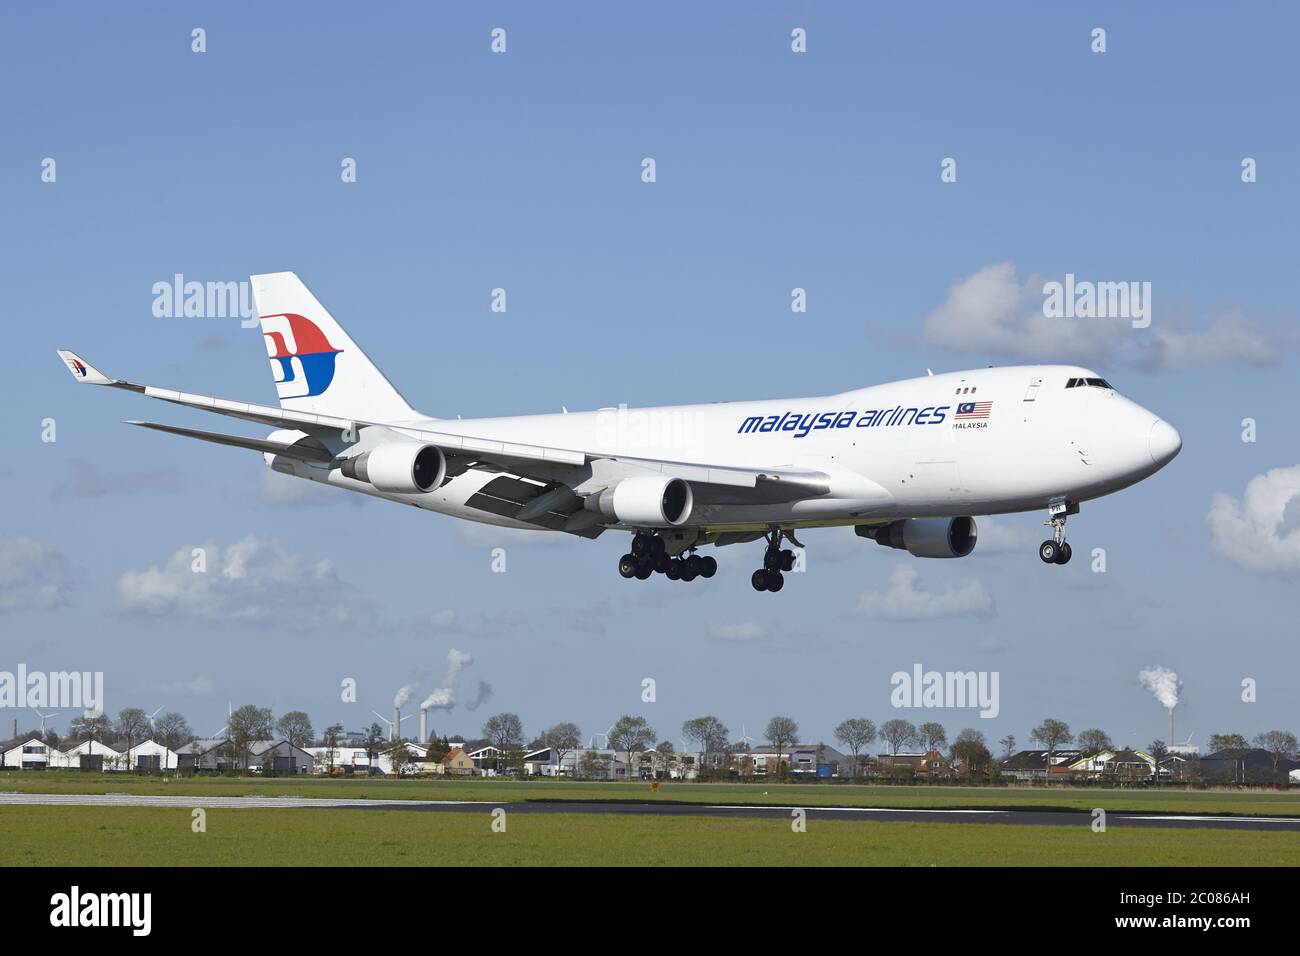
<point x="404" y="694"/>
<point x="1163" y="684"/>
<point x="457" y="661"/>
<point x="444" y="697"/>
<point x="481" y="695"/>
<point x="441" y="699"/>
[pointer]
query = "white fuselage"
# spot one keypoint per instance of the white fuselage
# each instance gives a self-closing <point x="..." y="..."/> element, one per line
<point x="896" y="450"/>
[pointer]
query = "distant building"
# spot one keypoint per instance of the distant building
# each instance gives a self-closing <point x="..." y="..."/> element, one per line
<point x="279" y="757"/>
<point x="1252" y="766"/>
<point x="29" y="753"/>
<point x="87" y="755"/>
<point x="458" y="763"/>
<point x="149" y="756"/>
<point x="344" y="758"/>
<point x="930" y="763"/>
<point x="1129" y="766"/>
<point x="805" y="760"/>
<point x="1030" y="765"/>
<point x="269" y="756"/>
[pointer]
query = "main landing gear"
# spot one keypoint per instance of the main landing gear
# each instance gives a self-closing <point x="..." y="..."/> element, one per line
<point x="649" y="555"/>
<point x="775" y="560"/>
<point x="1055" y="550"/>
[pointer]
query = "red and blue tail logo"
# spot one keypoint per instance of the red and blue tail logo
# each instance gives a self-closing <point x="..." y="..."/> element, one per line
<point x="78" y="367"/>
<point x="302" y="358"/>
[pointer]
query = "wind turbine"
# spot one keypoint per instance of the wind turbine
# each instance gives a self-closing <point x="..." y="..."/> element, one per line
<point x="224" y="730"/>
<point x="151" y="717"/>
<point x="604" y="737"/>
<point x="393" y="728"/>
<point x="44" y="718"/>
<point x="745" y="738"/>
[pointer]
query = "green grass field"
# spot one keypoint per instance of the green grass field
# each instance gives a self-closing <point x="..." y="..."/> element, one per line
<point x="134" y="836"/>
<point x="1164" y="800"/>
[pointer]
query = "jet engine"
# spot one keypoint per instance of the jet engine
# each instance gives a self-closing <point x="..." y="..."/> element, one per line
<point x="926" y="537"/>
<point x="400" y="467"/>
<point x="649" y="501"/>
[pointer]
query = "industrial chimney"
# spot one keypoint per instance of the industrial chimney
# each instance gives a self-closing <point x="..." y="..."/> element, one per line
<point x="397" y="724"/>
<point x="424" y="724"/>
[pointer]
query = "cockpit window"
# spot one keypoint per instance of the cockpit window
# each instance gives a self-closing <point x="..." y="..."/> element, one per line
<point x="1092" y="382"/>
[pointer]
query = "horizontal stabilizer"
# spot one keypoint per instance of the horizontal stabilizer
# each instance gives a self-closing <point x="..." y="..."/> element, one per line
<point x="305" y="450"/>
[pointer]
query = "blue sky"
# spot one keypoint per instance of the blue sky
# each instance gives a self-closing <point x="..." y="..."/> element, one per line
<point x="522" y="171"/>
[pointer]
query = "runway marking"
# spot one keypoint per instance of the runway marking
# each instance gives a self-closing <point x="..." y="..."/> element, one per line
<point x="1027" y="817"/>
<point x="214" y="803"/>
<point x="816" y="807"/>
<point x="1209" y="819"/>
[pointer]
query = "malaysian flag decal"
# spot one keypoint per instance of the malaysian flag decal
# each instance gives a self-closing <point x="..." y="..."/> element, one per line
<point x="973" y="410"/>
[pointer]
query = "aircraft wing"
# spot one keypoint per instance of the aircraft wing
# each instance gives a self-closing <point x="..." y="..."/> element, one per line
<point x="714" y="484"/>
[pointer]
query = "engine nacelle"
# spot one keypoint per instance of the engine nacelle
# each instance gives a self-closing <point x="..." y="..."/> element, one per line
<point x="651" y="501"/>
<point x="400" y="467"/>
<point x="926" y="537"/>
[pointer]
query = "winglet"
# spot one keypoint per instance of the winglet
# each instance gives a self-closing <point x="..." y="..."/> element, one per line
<point x="82" y="370"/>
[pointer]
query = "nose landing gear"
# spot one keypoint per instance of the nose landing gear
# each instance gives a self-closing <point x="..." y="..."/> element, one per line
<point x="1056" y="550"/>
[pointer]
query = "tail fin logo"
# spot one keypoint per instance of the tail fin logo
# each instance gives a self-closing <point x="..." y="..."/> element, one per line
<point x="302" y="358"/>
<point x="76" y="366"/>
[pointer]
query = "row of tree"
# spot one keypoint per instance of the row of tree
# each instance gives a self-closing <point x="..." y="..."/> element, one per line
<point x="633" y="734"/>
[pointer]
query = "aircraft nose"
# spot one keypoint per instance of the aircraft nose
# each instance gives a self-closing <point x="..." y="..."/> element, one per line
<point x="1163" y="442"/>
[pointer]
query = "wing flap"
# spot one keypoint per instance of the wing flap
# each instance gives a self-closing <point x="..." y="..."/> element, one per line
<point x="305" y="450"/>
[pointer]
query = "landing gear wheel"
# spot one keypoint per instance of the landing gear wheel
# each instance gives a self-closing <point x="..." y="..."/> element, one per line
<point x="1049" y="551"/>
<point x="657" y="546"/>
<point x="787" y="560"/>
<point x="662" y="562"/>
<point x="674" y="572"/>
<point x="641" y="544"/>
<point x="694" y="565"/>
<point x="628" y="565"/>
<point x="708" y="566"/>
<point x="1064" y="553"/>
<point x="687" y="573"/>
<point x="772" y="560"/>
<point x="644" y="568"/>
<point x="759" y="580"/>
<point x="775" y="580"/>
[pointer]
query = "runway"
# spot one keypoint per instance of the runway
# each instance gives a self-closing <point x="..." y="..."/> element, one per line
<point x="1078" y="818"/>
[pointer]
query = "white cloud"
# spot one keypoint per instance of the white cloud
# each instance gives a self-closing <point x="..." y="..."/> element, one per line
<point x="33" y="576"/>
<point x="738" y="632"/>
<point x="999" y="537"/>
<point x="495" y="536"/>
<point x="991" y="312"/>
<point x="281" y="489"/>
<point x="1230" y="338"/>
<point x="250" y="581"/>
<point x="198" y="687"/>
<point x="901" y="600"/>
<point x="1261" y="531"/>
<point x="87" y="480"/>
